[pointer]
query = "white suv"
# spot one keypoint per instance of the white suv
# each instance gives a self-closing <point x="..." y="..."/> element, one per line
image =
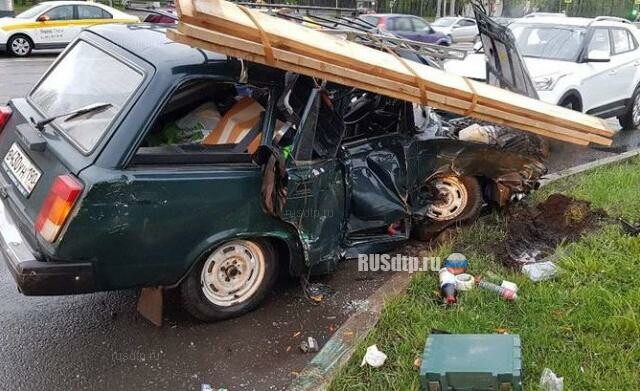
<point x="589" y="65"/>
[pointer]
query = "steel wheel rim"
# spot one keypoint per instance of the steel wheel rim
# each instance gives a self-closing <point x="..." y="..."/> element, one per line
<point x="233" y="273"/>
<point x="452" y="199"/>
<point x="20" y="46"/>
<point x="636" y="110"/>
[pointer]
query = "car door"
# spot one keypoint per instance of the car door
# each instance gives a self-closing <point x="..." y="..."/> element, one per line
<point x="377" y="156"/>
<point x="402" y="26"/>
<point x="626" y="60"/>
<point x="54" y="30"/>
<point x="598" y="76"/>
<point x="315" y="201"/>
<point x="89" y="15"/>
<point x="464" y="30"/>
<point x="422" y="31"/>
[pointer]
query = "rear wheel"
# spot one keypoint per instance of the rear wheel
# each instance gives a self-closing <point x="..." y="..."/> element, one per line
<point x="20" y="45"/>
<point x="631" y="119"/>
<point x="233" y="280"/>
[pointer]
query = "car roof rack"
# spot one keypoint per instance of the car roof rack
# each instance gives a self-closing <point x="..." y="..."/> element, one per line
<point x="360" y="31"/>
<point x="611" y="19"/>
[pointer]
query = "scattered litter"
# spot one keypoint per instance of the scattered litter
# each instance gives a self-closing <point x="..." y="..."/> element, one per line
<point x="629" y="228"/>
<point x="479" y="134"/>
<point x="448" y="286"/>
<point x="417" y="362"/>
<point x="506" y="294"/>
<point x="502" y="330"/>
<point x="465" y="282"/>
<point x="309" y="346"/>
<point x="297" y="334"/>
<point x="512" y="286"/>
<point x="549" y="381"/>
<point x="540" y="271"/>
<point x="316" y="292"/>
<point x="356" y="306"/>
<point x="208" y="387"/>
<point x="456" y="263"/>
<point x="373" y="357"/>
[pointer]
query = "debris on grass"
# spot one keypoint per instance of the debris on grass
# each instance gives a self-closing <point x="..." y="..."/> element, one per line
<point x="540" y="271"/>
<point x="373" y="357"/>
<point x="505" y="293"/>
<point x="549" y="381"/>
<point x="534" y="232"/>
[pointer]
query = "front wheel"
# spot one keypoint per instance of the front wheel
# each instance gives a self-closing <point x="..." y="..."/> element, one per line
<point x="455" y="200"/>
<point x="233" y="280"/>
<point x="631" y="119"/>
<point x="20" y="45"/>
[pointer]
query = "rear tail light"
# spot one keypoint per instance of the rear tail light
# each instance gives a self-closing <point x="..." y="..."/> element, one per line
<point x="57" y="207"/>
<point x="5" y="113"/>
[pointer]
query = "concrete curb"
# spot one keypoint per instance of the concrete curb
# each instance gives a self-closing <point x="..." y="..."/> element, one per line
<point x="338" y="350"/>
<point x="547" y="179"/>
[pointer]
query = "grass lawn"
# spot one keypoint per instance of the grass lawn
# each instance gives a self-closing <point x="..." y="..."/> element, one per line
<point x="584" y="325"/>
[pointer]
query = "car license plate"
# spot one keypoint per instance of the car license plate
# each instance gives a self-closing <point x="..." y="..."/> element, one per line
<point x="23" y="172"/>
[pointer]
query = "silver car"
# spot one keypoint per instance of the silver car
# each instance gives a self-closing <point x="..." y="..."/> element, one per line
<point x="458" y="29"/>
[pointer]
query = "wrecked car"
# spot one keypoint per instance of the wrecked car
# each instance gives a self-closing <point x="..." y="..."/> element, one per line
<point x="140" y="162"/>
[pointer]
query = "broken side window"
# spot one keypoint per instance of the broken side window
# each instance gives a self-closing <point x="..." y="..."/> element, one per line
<point x="206" y="121"/>
<point x="368" y="115"/>
<point x="319" y="127"/>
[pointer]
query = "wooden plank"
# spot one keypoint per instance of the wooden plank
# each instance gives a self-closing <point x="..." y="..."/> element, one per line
<point x="387" y="87"/>
<point x="227" y="17"/>
<point x="314" y="72"/>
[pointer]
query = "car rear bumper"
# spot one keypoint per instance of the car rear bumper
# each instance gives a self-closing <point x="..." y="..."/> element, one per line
<point x="35" y="277"/>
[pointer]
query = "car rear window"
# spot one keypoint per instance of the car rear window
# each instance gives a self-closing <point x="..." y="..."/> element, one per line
<point x="86" y="76"/>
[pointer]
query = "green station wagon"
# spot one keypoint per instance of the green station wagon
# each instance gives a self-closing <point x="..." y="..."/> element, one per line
<point x="140" y="162"/>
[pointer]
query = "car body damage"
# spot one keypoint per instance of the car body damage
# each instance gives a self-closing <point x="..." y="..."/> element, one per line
<point x="361" y="176"/>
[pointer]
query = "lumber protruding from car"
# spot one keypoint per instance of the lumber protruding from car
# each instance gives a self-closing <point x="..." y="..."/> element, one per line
<point x="224" y="27"/>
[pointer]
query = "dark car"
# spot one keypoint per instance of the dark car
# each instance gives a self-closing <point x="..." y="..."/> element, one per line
<point x="140" y="162"/>
<point x="408" y="26"/>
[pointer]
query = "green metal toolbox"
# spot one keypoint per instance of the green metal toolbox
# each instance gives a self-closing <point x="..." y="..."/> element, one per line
<point x="465" y="362"/>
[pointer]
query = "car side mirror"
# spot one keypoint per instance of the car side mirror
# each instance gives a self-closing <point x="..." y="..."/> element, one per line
<point x="477" y="47"/>
<point x="42" y="18"/>
<point x="598" y="56"/>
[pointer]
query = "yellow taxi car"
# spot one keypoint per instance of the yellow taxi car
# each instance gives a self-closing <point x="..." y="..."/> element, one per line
<point x="53" y="24"/>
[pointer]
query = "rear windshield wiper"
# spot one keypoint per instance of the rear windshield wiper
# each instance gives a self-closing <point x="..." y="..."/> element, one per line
<point x="71" y="114"/>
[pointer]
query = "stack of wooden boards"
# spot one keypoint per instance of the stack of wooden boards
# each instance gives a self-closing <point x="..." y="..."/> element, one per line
<point x="228" y="28"/>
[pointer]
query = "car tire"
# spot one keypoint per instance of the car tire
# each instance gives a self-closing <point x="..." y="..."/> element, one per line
<point x="20" y="45"/>
<point x="461" y="202"/>
<point x="231" y="280"/>
<point x="631" y="119"/>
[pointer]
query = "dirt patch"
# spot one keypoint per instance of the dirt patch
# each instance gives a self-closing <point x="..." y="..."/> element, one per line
<point x="533" y="232"/>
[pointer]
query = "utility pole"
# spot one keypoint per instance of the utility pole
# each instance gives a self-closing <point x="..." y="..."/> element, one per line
<point x="452" y="9"/>
<point x="438" y="8"/>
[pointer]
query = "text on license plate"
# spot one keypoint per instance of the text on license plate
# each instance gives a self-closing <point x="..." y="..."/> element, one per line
<point x="21" y="169"/>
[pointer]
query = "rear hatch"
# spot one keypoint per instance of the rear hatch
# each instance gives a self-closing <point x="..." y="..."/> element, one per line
<point x="33" y="154"/>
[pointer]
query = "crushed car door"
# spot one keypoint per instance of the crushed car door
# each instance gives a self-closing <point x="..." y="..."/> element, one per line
<point x="315" y="202"/>
<point x="377" y="155"/>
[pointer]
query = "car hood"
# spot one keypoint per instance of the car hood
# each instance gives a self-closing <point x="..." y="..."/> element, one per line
<point x="538" y="67"/>
<point x="474" y="66"/>
<point x="440" y="29"/>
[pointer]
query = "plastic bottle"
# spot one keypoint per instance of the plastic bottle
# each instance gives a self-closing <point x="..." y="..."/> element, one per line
<point x="505" y="293"/>
<point x="448" y="286"/>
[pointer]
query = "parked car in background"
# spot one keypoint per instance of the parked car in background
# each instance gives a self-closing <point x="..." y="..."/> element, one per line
<point x="589" y="65"/>
<point x="457" y="29"/>
<point x="53" y="24"/>
<point x="408" y="26"/>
